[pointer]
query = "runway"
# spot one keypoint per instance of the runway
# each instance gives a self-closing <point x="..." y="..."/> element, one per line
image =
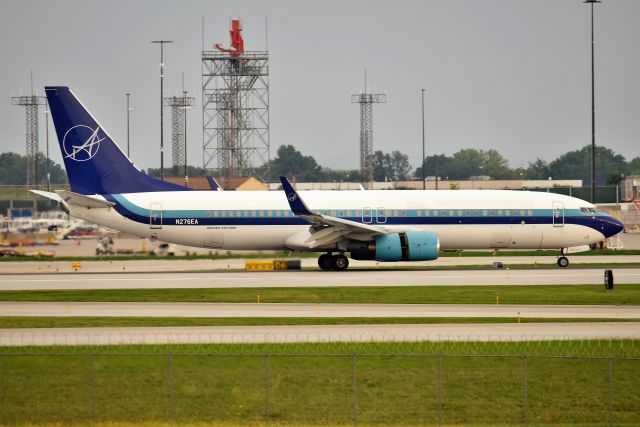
<point x="320" y="333"/>
<point x="119" y="309"/>
<point x="313" y="278"/>
<point x="152" y="265"/>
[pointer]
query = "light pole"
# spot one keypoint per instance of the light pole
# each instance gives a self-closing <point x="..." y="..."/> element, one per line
<point x="46" y="126"/>
<point x="129" y="109"/>
<point x="593" y="110"/>
<point x="184" y="109"/>
<point x="424" y="184"/>
<point x="162" y="43"/>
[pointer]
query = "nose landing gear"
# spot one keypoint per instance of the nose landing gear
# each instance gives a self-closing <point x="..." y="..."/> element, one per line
<point x="337" y="262"/>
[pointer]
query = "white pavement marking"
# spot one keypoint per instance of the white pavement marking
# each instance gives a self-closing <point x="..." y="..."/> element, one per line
<point x="270" y="279"/>
<point x="320" y="333"/>
<point x="133" y="309"/>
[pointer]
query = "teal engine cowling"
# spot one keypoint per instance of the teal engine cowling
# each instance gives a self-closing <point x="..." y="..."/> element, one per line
<point x="409" y="246"/>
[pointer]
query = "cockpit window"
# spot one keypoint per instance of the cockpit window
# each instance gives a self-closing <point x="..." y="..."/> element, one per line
<point x="588" y="211"/>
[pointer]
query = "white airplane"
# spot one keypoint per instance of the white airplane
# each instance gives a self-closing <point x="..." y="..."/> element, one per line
<point x="107" y="189"/>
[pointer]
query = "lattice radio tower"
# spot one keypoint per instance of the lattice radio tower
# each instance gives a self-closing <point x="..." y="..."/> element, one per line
<point x="179" y="106"/>
<point x="235" y="109"/>
<point x="31" y="103"/>
<point x="366" y="101"/>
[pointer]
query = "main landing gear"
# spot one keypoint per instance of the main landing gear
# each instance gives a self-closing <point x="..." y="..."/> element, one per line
<point x="563" y="261"/>
<point x="337" y="262"/>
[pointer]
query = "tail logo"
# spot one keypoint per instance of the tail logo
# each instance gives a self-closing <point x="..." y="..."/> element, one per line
<point x="81" y="143"/>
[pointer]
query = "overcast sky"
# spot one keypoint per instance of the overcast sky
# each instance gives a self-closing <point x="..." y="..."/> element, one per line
<point x="513" y="75"/>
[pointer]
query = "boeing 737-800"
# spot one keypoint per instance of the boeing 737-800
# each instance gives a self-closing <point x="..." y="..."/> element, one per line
<point x="107" y="189"/>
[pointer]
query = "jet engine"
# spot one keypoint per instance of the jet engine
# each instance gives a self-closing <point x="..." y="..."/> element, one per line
<point x="409" y="246"/>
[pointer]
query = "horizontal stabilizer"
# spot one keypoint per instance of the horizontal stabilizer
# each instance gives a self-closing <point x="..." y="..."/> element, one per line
<point x="75" y="199"/>
<point x="53" y="196"/>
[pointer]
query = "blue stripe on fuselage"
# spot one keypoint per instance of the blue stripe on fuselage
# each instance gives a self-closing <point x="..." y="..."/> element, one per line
<point x="284" y="217"/>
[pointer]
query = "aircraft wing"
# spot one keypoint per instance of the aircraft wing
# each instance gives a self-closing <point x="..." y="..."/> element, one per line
<point x="326" y="229"/>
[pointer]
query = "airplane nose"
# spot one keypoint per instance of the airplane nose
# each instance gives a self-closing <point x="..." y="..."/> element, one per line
<point x="611" y="226"/>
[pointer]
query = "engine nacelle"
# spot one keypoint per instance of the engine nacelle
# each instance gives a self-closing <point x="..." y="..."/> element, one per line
<point x="409" y="246"/>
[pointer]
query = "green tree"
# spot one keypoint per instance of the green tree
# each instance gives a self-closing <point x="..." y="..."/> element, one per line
<point x="537" y="170"/>
<point x="433" y="166"/>
<point x="633" y="167"/>
<point x="496" y="166"/>
<point x="381" y="166"/>
<point x="390" y="167"/>
<point x="400" y="167"/>
<point x="577" y="165"/>
<point x="290" y="162"/>
<point x="13" y="170"/>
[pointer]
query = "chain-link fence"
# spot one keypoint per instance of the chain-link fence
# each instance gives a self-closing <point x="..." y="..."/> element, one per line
<point x="319" y="389"/>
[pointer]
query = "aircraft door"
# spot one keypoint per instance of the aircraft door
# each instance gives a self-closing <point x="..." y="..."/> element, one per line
<point x="558" y="214"/>
<point x="381" y="215"/>
<point x="155" y="215"/>
<point x="366" y="215"/>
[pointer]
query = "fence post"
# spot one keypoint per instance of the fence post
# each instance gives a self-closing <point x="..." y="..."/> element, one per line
<point x="266" y="389"/>
<point x="354" y="389"/>
<point x="610" y="391"/>
<point x="93" y="389"/>
<point x="526" y="391"/>
<point x="440" y="392"/>
<point x="170" y="386"/>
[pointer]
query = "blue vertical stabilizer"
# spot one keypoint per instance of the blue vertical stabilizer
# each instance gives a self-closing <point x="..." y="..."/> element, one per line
<point x="94" y="163"/>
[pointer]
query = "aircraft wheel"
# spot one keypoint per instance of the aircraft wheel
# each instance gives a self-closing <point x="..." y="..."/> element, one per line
<point x="325" y="262"/>
<point x="340" y="262"/>
<point x="563" y="261"/>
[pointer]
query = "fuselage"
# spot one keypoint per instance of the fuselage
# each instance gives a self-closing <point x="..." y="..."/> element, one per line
<point x="263" y="220"/>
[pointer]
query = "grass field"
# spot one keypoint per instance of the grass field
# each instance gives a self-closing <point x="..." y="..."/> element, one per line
<point x="543" y="294"/>
<point x="85" y="322"/>
<point x="401" y="384"/>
